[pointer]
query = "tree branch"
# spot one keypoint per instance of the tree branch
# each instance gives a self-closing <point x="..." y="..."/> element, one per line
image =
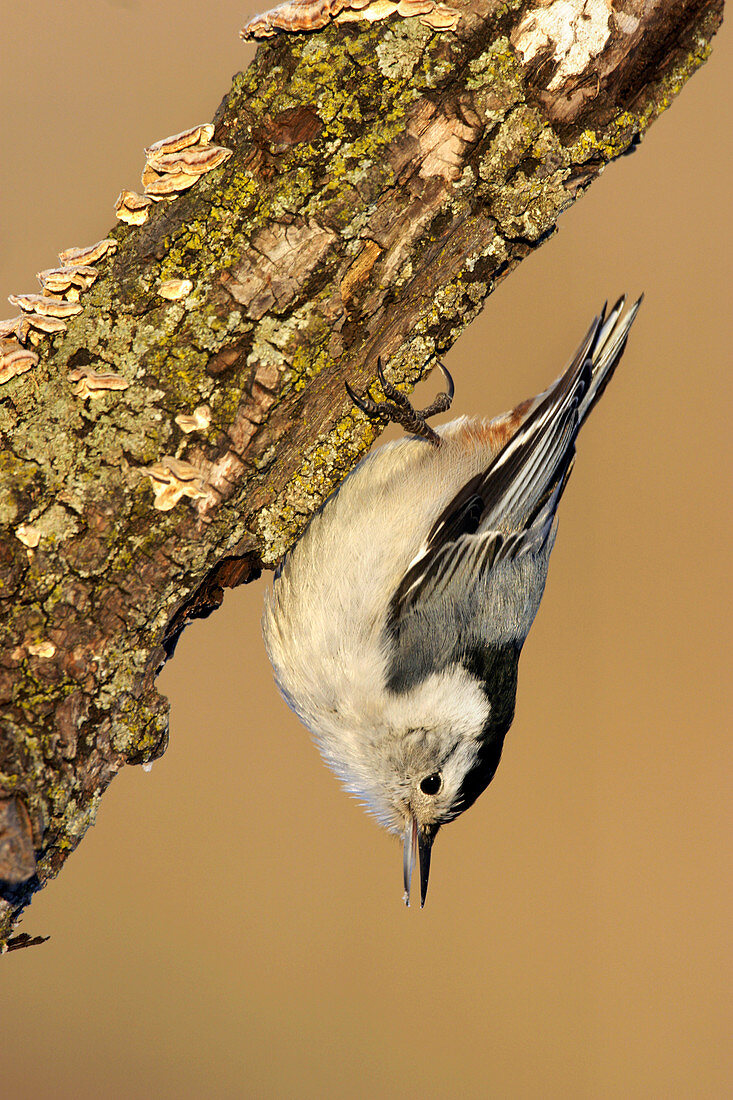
<point x="384" y="179"/>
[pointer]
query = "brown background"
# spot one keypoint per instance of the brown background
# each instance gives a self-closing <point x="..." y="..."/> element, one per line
<point x="233" y="924"/>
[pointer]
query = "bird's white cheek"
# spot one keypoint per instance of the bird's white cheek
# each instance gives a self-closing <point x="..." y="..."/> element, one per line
<point x="451" y="701"/>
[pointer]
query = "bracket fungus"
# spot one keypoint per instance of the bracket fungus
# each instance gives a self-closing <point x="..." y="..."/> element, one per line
<point x="131" y="208"/>
<point x="193" y="162"/>
<point x="175" y="163"/>
<point x="163" y="187"/>
<point x="94" y="384"/>
<point x="195" y="135"/>
<point x="14" y="360"/>
<point x="78" y="257"/>
<point x="311" y="15"/>
<point x="9" y="327"/>
<point x="148" y="177"/>
<point x="59" y="280"/>
<point x="172" y="479"/>
<point x="198" y="421"/>
<point x="45" y="304"/>
<point x="34" y="326"/>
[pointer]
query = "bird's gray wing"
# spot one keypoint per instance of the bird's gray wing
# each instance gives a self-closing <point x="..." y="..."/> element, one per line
<point x="458" y="565"/>
<point x="474" y="592"/>
<point x="495" y="514"/>
<point x="472" y="589"/>
<point x="502" y="515"/>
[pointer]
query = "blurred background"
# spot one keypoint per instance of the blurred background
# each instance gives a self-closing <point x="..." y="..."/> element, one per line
<point x="233" y="924"/>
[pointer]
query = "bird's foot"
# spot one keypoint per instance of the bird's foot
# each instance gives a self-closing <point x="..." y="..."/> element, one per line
<point x="398" y="407"/>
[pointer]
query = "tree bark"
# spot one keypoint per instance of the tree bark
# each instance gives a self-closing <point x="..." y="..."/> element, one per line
<point x="384" y="179"/>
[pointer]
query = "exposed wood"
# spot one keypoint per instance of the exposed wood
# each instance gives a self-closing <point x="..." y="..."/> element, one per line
<point x="172" y="441"/>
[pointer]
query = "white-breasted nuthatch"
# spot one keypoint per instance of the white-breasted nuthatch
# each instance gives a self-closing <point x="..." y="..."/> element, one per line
<point x="396" y="621"/>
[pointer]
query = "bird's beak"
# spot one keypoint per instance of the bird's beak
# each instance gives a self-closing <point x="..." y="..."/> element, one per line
<point x="418" y="841"/>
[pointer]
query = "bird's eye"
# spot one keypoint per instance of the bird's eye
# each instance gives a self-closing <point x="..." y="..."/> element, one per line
<point x="431" y="784"/>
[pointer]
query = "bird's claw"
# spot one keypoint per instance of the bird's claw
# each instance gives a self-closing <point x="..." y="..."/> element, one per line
<point x="398" y="408"/>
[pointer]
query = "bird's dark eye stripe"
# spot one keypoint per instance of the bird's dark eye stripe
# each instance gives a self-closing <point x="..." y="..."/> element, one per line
<point x="431" y="784"/>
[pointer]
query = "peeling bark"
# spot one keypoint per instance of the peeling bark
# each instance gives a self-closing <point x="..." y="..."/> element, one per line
<point x="384" y="179"/>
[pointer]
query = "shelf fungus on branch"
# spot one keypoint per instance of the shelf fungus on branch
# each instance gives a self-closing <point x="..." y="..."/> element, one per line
<point x="9" y="327"/>
<point x="94" y="384"/>
<point x="131" y="208"/>
<point x="198" y="421"/>
<point x="311" y="15"/>
<point x="67" y="280"/>
<point x="78" y="257"/>
<point x="165" y="187"/>
<point x="44" y="314"/>
<point x="15" y="360"/>
<point x="34" y="326"/>
<point x="175" y="163"/>
<point x="172" y="479"/>
<point x="194" y="161"/>
<point x="195" y="135"/>
<point x="46" y="305"/>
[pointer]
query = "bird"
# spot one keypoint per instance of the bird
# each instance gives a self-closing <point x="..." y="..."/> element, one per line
<point x="395" y="623"/>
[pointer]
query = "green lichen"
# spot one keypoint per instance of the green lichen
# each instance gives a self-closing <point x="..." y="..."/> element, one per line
<point x="322" y="469"/>
<point x="17" y="477"/>
<point x="617" y="137"/>
<point x="673" y="81"/>
<point x="530" y="207"/>
<point x="140" y="735"/>
<point x="55" y="525"/>
<point x="510" y="143"/>
<point x="399" y="49"/>
<point x="307" y="363"/>
<point x="496" y="80"/>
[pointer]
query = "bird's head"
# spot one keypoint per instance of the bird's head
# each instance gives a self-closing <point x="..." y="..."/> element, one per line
<point x="417" y="759"/>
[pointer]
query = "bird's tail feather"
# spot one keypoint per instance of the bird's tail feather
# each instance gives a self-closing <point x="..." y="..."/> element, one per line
<point x="525" y="473"/>
<point x="606" y="350"/>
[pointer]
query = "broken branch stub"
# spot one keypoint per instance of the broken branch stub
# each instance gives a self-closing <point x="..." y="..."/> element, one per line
<point x="381" y="185"/>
